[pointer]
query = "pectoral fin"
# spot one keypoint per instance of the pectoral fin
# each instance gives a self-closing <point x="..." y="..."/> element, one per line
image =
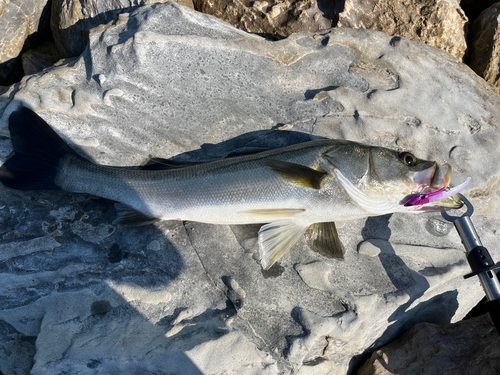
<point x="129" y="217"/>
<point x="275" y="239"/>
<point x="297" y="174"/>
<point x="324" y="239"/>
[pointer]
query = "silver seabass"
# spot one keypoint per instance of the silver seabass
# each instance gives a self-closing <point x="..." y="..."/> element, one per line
<point x="308" y="185"/>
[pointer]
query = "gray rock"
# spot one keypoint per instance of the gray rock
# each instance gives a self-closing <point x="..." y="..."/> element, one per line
<point x="20" y="22"/>
<point x="474" y="7"/>
<point x="42" y="57"/>
<point x="71" y="20"/>
<point x="191" y="298"/>
<point x="484" y="58"/>
<point x="274" y="19"/>
<point x="467" y="347"/>
<point x="16" y="351"/>
<point x="439" y="23"/>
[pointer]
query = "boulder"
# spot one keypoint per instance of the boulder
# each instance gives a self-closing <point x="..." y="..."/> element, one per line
<point x="484" y="46"/>
<point x="274" y="19"/>
<point x="474" y="7"/>
<point x="466" y="347"/>
<point x="42" y="57"/>
<point x="21" y="23"/>
<point x="17" y="351"/>
<point x="191" y="298"/>
<point x="71" y="20"/>
<point x="439" y="23"/>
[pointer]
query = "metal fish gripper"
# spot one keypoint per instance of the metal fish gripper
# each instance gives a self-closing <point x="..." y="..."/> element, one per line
<point x="479" y="259"/>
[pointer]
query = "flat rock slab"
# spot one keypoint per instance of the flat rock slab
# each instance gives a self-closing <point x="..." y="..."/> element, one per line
<point x="191" y="298"/>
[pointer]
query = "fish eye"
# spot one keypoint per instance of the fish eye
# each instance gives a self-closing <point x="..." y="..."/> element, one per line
<point x="407" y="158"/>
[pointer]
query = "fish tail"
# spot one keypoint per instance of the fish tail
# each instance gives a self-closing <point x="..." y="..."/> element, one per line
<point x="37" y="153"/>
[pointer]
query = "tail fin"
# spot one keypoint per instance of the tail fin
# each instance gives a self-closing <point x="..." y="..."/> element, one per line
<point x="37" y="151"/>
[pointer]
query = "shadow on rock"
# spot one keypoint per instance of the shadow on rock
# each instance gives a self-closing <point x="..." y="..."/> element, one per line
<point x="406" y="281"/>
<point x="93" y="293"/>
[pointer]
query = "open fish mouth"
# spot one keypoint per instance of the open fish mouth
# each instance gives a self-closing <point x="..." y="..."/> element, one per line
<point x="433" y="189"/>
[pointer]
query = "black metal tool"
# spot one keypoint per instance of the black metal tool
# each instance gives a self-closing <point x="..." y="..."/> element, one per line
<point x="479" y="259"/>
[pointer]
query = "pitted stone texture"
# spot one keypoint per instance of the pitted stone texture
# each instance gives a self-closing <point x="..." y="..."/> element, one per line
<point x="165" y="81"/>
<point x="71" y="20"/>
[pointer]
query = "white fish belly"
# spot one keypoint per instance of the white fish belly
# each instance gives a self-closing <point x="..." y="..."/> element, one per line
<point x="262" y="202"/>
<point x="232" y="191"/>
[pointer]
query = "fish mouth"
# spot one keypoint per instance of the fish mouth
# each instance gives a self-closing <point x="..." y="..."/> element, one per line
<point x="432" y="191"/>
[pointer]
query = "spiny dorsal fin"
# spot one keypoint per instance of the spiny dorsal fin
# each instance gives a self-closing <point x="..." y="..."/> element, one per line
<point x="129" y="217"/>
<point x="324" y="239"/>
<point x="275" y="239"/>
<point x="161" y="164"/>
<point x="297" y="174"/>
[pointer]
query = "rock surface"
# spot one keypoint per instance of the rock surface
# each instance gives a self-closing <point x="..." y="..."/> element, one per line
<point x="467" y="347"/>
<point x="485" y="45"/>
<point x="273" y="18"/>
<point x="474" y="7"/>
<point x="71" y="21"/>
<point x="20" y="21"/>
<point x="37" y="59"/>
<point x="191" y="298"/>
<point x="439" y="23"/>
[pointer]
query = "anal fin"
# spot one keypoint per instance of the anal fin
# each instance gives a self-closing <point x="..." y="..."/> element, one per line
<point x="275" y="239"/>
<point x="129" y="217"/>
<point x="324" y="239"/>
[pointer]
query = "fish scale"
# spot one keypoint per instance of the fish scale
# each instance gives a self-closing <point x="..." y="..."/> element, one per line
<point x="307" y="185"/>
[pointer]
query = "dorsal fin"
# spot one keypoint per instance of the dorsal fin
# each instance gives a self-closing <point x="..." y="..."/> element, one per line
<point x="297" y="174"/>
<point x="160" y="164"/>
